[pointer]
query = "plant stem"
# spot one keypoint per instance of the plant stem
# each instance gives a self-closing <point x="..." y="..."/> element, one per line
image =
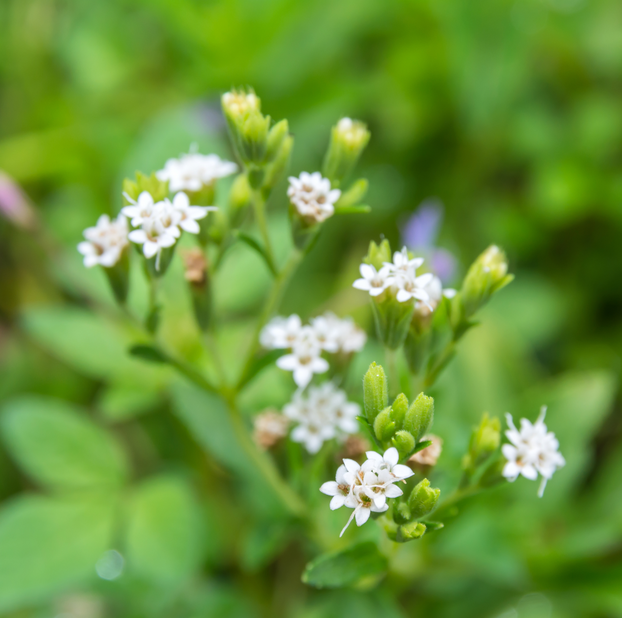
<point x="259" y="204"/>
<point x="264" y="464"/>
<point x="394" y="378"/>
<point x="272" y="302"/>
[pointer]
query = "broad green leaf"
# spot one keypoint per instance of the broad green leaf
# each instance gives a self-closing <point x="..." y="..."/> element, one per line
<point x="49" y="545"/>
<point x="346" y="567"/>
<point x="118" y="403"/>
<point x="164" y="539"/>
<point x="59" y="446"/>
<point x="92" y="345"/>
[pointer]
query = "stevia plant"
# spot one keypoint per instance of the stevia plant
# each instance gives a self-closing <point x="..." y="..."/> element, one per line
<point x="386" y="444"/>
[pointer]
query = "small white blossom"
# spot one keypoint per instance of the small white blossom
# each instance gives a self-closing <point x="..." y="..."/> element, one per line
<point x="105" y="242"/>
<point x="533" y="450"/>
<point x="402" y="263"/>
<point x="366" y="488"/>
<point x="351" y="337"/>
<point x="326" y="330"/>
<point x="304" y="361"/>
<point x="140" y="209"/>
<point x="159" y="230"/>
<point x="282" y="332"/>
<point x="190" y="214"/>
<point x="373" y="281"/>
<point x="434" y="290"/>
<point x="323" y="414"/>
<point x="194" y="170"/>
<point x="312" y="196"/>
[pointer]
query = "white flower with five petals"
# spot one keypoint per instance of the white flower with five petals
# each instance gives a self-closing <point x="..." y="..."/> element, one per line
<point x="373" y="281"/>
<point x="304" y="361"/>
<point x="190" y="214"/>
<point x="104" y="242"/>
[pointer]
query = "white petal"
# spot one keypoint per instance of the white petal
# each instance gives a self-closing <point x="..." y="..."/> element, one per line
<point x="403" y="296"/>
<point x="361" y="515"/>
<point x="289" y="362"/>
<point x="402" y="471"/>
<point x="190" y="226"/>
<point x="529" y="472"/>
<point x="138" y="236"/>
<point x="330" y="488"/>
<point x="367" y="271"/>
<point x="393" y="491"/>
<point x="351" y="465"/>
<point x="391" y="456"/>
<point x="362" y="284"/>
<point x="302" y="376"/>
<point x="150" y="249"/>
<point x="337" y="502"/>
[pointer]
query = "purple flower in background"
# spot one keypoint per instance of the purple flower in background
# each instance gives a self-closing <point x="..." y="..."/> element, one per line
<point x="420" y="233"/>
<point x="14" y="204"/>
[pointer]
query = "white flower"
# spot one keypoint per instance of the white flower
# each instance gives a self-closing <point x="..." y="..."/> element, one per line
<point x="140" y="209"/>
<point x="533" y="450"/>
<point x="434" y="290"/>
<point x="192" y="171"/>
<point x="283" y="332"/>
<point x="322" y="415"/>
<point x="338" y="488"/>
<point x="312" y="196"/>
<point x="366" y="488"/>
<point x="190" y="214"/>
<point x="326" y="330"/>
<point x="402" y="263"/>
<point x="351" y="337"/>
<point x="304" y="361"/>
<point x="159" y="230"/>
<point x="373" y="281"/>
<point x="105" y="242"/>
<point x="411" y="286"/>
<point x="389" y="462"/>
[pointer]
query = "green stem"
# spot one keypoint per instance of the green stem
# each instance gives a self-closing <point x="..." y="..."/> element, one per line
<point x="259" y="204"/>
<point x="264" y="464"/>
<point x="394" y="379"/>
<point x="457" y="496"/>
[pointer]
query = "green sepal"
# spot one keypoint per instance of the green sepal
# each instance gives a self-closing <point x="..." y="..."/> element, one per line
<point x="119" y="277"/>
<point x="377" y="255"/>
<point x="419" y="416"/>
<point x="355" y="193"/>
<point x="431" y="526"/>
<point x="410" y="531"/>
<point x="401" y="513"/>
<point x="384" y="427"/>
<point x="392" y="319"/>
<point x="403" y="442"/>
<point x="399" y="407"/>
<point x="157" y="188"/>
<point x="423" y="499"/>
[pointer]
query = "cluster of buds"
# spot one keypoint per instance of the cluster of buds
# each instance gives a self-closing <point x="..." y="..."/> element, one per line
<point x="401" y="425"/>
<point x="322" y="414"/>
<point x="307" y="342"/>
<point x="347" y="141"/>
<point x="263" y="149"/>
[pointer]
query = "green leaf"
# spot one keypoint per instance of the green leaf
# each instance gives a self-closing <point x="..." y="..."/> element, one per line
<point x="164" y="541"/>
<point x="60" y="447"/>
<point x="148" y="353"/>
<point x="91" y="345"/>
<point x="346" y="567"/>
<point x="352" y="210"/>
<point x="49" y="545"/>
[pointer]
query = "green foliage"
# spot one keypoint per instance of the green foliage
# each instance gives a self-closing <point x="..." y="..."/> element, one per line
<point x="59" y="447"/>
<point x="165" y="537"/>
<point x="347" y="567"/>
<point x="49" y="545"/>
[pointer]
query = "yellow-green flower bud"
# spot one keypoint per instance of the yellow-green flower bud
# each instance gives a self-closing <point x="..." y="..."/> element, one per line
<point x="240" y="198"/>
<point x="404" y="442"/>
<point x="238" y="103"/>
<point x="375" y="392"/>
<point x="253" y="138"/>
<point x="423" y="499"/>
<point x="384" y="427"/>
<point x="133" y="188"/>
<point x="277" y="135"/>
<point x="377" y="255"/>
<point x="419" y="416"/>
<point x="401" y="513"/>
<point x="487" y="275"/>
<point x="399" y="409"/>
<point x="276" y="169"/>
<point x="348" y="140"/>
<point x="354" y="195"/>
<point x="410" y="532"/>
<point x="484" y="442"/>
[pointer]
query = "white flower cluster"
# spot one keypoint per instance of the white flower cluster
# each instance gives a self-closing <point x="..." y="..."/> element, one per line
<point x="366" y="488"/>
<point x="105" y="242"/>
<point x="159" y="223"/>
<point x="401" y="274"/>
<point x="312" y="196"/>
<point x="325" y="413"/>
<point x="533" y="450"/>
<point x="194" y="170"/>
<point x="307" y="342"/>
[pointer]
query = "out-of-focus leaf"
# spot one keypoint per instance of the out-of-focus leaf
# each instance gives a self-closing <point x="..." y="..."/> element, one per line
<point x="259" y="364"/>
<point x="164" y="541"/>
<point x="59" y="446"/>
<point x="91" y="345"/>
<point x="148" y="353"/>
<point x="262" y="544"/>
<point x="118" y="403"/>
<point x="48" y="545"/>
<point x="346" y="567"/>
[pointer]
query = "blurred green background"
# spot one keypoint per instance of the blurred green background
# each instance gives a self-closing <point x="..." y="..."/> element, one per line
<point x="508" y="111"/>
